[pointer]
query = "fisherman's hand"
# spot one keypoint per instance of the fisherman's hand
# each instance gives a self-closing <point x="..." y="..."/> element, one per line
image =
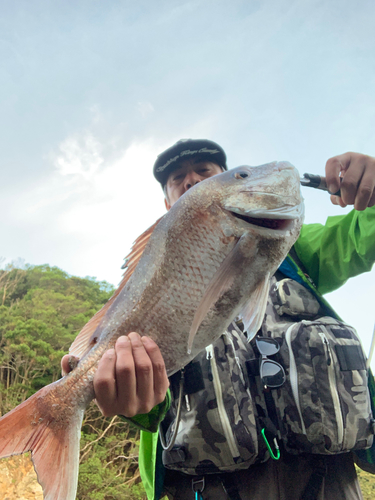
<point x="131" y="378"/>
<point x="358" y="180"/>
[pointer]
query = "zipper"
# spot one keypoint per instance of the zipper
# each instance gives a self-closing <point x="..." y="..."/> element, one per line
<point x="293" y="375"/>
<point x="238" y="363"/>
<point x="333" y="388"/>
<point x="220" y="403"/>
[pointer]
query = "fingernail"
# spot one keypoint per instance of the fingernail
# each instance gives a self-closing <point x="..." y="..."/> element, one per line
<point x="110" y="353"/>
<point x="134" y="336"/>
<point x="122" y="340"/>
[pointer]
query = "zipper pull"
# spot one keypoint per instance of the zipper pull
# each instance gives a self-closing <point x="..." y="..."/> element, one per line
<point x="187" y="402"/>
<point x="326" y="347"/>
<point x="326" y="343"/>
<point x="209" y="355"/>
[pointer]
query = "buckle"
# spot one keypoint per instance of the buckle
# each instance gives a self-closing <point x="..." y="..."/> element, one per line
<point x="198" y="484"/>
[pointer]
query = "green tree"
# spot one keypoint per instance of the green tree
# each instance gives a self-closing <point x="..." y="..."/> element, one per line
<point x="42" y="309"/>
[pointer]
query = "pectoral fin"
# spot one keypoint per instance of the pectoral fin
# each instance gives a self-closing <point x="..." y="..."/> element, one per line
<point x="219" y="284"/>
<point x="254" y="309"/>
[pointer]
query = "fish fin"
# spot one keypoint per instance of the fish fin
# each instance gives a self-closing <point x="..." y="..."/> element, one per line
<point x="89" y="335"/>
<point x="219" y="284"/>
<point x="54" y="445"/>
<point x="254" y="309"/>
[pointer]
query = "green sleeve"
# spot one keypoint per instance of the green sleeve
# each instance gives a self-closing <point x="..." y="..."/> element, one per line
<point x="151" y="465"/>
<point x="344" y="247"/>
<point x="150" y="452"/>
<point x="150" y="421"/>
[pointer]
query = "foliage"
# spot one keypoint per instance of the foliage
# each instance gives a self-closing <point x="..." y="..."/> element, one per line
<point x="367" y="483"/>
<point x="109" y="459"/>
<point x="42" y="309"/>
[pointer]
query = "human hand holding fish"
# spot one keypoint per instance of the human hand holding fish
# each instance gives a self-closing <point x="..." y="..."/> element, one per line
<point x="131" y="377"/>
<point x="138" y="361"/>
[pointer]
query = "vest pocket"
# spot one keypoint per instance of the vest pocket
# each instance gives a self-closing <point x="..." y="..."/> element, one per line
<point x="218" y="431"/>
<point x="324" y="406"/>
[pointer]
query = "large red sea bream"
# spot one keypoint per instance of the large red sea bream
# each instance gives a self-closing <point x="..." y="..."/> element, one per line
<point x="208" y="260"/>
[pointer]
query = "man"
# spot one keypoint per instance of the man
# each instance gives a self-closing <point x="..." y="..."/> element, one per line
<point x="131" y="379"/>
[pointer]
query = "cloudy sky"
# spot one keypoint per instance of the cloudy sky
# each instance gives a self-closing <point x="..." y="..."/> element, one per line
<point x="92" y="91"/>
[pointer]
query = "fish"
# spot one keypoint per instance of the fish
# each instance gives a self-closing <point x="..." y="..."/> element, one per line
<point x="205" y="262"/>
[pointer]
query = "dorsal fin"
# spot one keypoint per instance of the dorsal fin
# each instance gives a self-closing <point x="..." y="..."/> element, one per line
<point x="86" y="338"/>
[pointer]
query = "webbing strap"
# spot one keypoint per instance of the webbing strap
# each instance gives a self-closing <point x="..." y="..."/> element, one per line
<point x="314" y="485"/>
<point x="169" y="446"/>
<point x="230" y="487"/>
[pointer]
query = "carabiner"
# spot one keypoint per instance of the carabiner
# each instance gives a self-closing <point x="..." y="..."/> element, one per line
<point x="197" y="485"/>
<point x="277" y="456"/>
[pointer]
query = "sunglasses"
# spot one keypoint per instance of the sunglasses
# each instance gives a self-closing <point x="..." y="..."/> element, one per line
<point x="272" y="374"/>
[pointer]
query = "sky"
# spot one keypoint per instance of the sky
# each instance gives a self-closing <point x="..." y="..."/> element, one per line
<point x="92" y="91"/>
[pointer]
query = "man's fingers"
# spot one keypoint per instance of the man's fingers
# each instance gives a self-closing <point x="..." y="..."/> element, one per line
<point x="131" y="378"/>
<point x="68" y="363"/>
<point x="371" y="203"/>
<point x="358" y="180"/>
<point x="366" y="189"/>
<point x="336" y="200"/>
<point x="161" y="382"/>
<point x="351" y="168"/>
<point x="65" y="369"/>
<point x="144" y="374"/>
<point x="126" y="378"/>
<point x="334" y="166"/>
<point x="351" y="181"/>
<point x="105" y="383"/>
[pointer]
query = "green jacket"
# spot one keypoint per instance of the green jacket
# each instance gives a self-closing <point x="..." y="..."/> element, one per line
<point x="331" y="254"/>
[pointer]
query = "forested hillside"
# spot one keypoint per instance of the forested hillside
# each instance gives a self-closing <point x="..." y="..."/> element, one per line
<point x="42" y="309"/>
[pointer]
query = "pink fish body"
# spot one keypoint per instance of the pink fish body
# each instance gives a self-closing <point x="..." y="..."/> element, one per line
<point x="207" y="261"/>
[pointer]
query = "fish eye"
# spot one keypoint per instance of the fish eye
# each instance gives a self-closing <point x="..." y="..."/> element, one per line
<point x="241" y="175"/>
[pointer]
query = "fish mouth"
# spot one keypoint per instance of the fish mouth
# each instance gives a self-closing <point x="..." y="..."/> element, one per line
<point x="267" y="223"/>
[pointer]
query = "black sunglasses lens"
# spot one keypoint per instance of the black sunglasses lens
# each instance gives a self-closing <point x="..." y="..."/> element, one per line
<point x="272" y="374"/>
<point x="267" y="347"/>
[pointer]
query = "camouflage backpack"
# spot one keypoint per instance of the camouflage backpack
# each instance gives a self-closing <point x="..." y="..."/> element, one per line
<point x="323" y="407"/>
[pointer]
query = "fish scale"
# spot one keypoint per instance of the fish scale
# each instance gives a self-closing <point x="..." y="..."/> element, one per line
<point x="206" y="261"/>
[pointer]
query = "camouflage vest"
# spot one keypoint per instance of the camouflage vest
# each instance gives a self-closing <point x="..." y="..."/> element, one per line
<point x="323" y="407"/>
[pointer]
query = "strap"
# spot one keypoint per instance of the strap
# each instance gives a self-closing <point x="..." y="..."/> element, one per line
<point x="169" y="446"/>
<point x="314" y="485"/>
<point x="229" y="486"/>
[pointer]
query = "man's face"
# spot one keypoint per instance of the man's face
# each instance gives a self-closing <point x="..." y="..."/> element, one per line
<point x="189" y="173"/>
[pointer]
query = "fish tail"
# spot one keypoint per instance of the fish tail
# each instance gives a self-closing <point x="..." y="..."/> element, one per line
<point x="51" y="436"/>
